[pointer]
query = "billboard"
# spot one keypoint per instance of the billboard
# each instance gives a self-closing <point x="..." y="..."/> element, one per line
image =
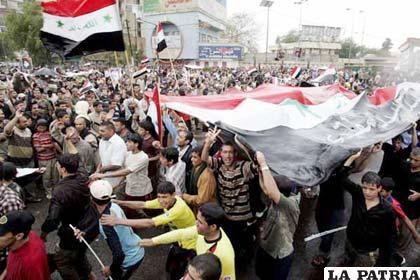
<point x="163" y="6"/>
<point x="215" y="52"/>
<point x="316" y="33"/>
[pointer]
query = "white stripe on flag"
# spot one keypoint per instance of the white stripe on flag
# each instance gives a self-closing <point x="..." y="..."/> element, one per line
<point x="79" y="28"/>
<point x="140" y="73"/>
<point x="255" y="115"/>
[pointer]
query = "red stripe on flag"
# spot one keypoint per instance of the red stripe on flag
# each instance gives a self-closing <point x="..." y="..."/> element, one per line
<point x="156" y="100"/>
<point x="159" y="27"/>
<point x="74" y="8"/>
<point x="276" y="95"/>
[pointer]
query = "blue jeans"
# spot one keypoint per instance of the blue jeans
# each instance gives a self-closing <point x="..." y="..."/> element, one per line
<point x="269" y="268"/>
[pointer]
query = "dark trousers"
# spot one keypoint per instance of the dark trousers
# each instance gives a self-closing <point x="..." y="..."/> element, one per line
<point x="269" y="268"/>
<point x="177" y="261"/>
<point x="241" y="237"/>
<point x="71" y="264"/>
<point x="132" y="213"/>
<point x="327" y="219"/>
<point x="126" y="273"/>
<point x="354" y="257"/>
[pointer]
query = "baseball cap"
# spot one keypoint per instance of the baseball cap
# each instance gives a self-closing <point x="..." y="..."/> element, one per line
<point x="101" y="190"/>
<point x="16" y="222"/>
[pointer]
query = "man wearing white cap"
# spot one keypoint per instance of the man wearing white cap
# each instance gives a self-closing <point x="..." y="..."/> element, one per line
<point x="126" y="256"/>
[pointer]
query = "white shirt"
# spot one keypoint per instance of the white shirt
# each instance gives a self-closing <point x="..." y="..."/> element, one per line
<point x="176" y="175"/>
<point x="138" y="182"/>
<point x="112" y="152"/>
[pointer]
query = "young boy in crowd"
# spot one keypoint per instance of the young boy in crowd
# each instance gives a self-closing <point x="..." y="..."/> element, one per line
<point x="372" y="221"/>
<point x="388" y="185"/>
<point x="45" y="149"/>
<point x="126" y="258"/>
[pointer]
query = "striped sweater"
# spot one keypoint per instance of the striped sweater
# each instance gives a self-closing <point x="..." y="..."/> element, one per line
<point x="20" y="150"/>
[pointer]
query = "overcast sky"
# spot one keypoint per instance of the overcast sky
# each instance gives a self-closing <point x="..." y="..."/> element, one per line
<point x="383" y="18"/>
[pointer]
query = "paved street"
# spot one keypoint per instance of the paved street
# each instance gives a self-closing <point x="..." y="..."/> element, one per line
<point x="153" y="266"/>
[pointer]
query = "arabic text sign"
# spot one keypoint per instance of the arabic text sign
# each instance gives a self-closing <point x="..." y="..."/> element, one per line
<point x="220" y="52"/>
<point x="160" y="6"/>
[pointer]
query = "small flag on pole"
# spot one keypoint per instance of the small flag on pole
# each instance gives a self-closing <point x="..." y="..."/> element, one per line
<point x="145" y="60"/>
<point x="155" y="112"/>
<point x="140" y="73"/>
<point x="296" y="71"/>
<point x="252" y="71"/>
<point x="161" y="42"/>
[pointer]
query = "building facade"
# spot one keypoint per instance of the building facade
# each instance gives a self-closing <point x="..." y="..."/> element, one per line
<point x="6" y="6"/>
<point x="316" y="45"/>
<point x="193" y="30"/>
<point x="410" y="55"/>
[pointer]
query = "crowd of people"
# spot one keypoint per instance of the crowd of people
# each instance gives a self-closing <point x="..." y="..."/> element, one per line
<point x="105" y="170"/>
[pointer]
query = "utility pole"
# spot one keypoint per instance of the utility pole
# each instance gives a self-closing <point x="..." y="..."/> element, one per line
<point x="129" y="40"/>
<point x="300" y="3"/>
<point x="267" y="4"/>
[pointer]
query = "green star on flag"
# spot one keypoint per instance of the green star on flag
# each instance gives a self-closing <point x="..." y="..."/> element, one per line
<point x="60" y="24"/>
<point x="107" y="18"/>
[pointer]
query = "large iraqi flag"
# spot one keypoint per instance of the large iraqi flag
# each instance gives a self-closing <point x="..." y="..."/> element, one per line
<point x="80" y="27"/>
<point x="306" y="132"/>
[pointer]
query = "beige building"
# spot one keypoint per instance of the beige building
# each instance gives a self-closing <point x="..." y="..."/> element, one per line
<point x="410" y="55"/>
<point x="311" y="53"/>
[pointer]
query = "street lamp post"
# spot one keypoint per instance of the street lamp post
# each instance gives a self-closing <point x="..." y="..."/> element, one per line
<point x="267" y="4"/>
<point x="300" y="3"/>
<point x="363" y="28"/>
<point x="352" y="29"/>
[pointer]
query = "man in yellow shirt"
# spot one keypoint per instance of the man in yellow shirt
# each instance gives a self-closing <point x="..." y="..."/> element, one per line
<point x="177" y="215"/>
<point x="209" y="237"/>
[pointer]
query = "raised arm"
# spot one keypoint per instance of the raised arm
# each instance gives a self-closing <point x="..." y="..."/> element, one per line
<point x="414" y="137"/>
<point x="208" y="142"/>
<point x="351" y="187"/>
<point x="8" y="129"/>
<point x="268" y="185"/>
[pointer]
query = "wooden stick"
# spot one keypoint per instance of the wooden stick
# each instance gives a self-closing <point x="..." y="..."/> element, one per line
<point x="116" y="59"/>
<point x="173" y="70"/>
<point x="314" y="236"/>
<point x="91" y="250"/>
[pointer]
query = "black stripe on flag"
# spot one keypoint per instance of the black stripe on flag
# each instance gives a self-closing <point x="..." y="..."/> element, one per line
<point x="161" y="46"/>
<point x="98" y="42"/>
<point x="140" y="73"/>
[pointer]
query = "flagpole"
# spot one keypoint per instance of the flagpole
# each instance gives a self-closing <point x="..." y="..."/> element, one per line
<point x="159" y="111"/>
<point x="116" y="59"/>
<point x="90" y="249"/>
<point x="173" y="69"/>
<point x="126" y="58"/>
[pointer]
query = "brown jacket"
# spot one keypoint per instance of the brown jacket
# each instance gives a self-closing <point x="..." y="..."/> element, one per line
<point x="206" y="189"/>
